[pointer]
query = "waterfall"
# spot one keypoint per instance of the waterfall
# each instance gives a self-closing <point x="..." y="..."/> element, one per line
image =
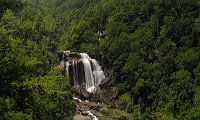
<point x="75" y="72"/>
<point x="67" y="67"/>
<point x="89" y="77"/>
<point x="97" y="72"/>
<point x="85" y="71"/>
<point x="93" y="76"/>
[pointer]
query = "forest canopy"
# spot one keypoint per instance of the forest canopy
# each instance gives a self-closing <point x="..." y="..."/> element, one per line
<point x="152" y="48"/>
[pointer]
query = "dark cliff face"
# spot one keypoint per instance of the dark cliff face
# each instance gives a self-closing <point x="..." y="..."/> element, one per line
<point x="61" y="56"/>
<point x="79" y="72"/>
<point x="67" y="56"/>
<point x="75" y="72"/>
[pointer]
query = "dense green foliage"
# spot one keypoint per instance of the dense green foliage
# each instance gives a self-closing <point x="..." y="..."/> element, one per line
<point x="152" y="47"/>
<point x="30" y="87"/>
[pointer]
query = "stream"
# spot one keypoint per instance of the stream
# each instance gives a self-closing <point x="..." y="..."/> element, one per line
<point x="83" y="110"/>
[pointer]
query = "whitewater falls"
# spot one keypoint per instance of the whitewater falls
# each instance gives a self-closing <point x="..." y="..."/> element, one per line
<point x="85" y="72"/>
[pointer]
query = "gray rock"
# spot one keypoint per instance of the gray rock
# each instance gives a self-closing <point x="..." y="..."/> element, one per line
<point x="85" y="94"/>
<point x="82" y="92"/>
<point x="84" y="113"/>
<point x="81" y="117"/>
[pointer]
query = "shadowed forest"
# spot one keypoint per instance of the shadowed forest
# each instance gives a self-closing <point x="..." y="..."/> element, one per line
<point x="151" y="47"/>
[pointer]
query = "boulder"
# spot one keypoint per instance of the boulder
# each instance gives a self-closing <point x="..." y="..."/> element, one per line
<point x="107" y="95"/>
<point x="91" y="105"/>
<point x="96" y="96"/>
<point x="84" y="113"/>
<point x="82" y="92"/>
<point x="81" y="117"/>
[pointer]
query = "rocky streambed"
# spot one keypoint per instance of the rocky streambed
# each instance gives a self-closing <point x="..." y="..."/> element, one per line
<point x="93" y="91"/>
<point x="88" y="105"/>
<point x="86" y="110"/>
<point x="97" y="106"/>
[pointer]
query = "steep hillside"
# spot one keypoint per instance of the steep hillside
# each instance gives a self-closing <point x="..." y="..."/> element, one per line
<point x="150" y="47"/>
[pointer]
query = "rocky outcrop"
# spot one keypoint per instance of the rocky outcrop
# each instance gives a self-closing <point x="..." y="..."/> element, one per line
<point x="88" y="106"/>
<point x="82" y="92"/>
<point x="92" y="89"/>
<point x="86" y="110"/>
<point x="106" y="95"/>
<point x="81" y="117"/>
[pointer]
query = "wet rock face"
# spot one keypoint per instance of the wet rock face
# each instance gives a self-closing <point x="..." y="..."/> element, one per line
<point x="82" y="92"/>
<point x="76" y="72"/>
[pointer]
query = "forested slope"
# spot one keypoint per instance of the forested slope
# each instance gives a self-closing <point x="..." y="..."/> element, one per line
<point x="30" y="86"/>
<point x="152" y="48"/>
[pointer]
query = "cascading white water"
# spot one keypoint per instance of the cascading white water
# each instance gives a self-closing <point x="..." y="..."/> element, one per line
<point x="93" y="117"/>
<point x="89" y="77"/>
<point x="90" y="73"/>
<point x="97" y="72"/>
<point x="67" y="67"/>
<point x="86" y="73"/>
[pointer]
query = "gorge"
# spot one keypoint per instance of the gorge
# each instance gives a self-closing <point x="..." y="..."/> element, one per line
<point x="148" y="50"/>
